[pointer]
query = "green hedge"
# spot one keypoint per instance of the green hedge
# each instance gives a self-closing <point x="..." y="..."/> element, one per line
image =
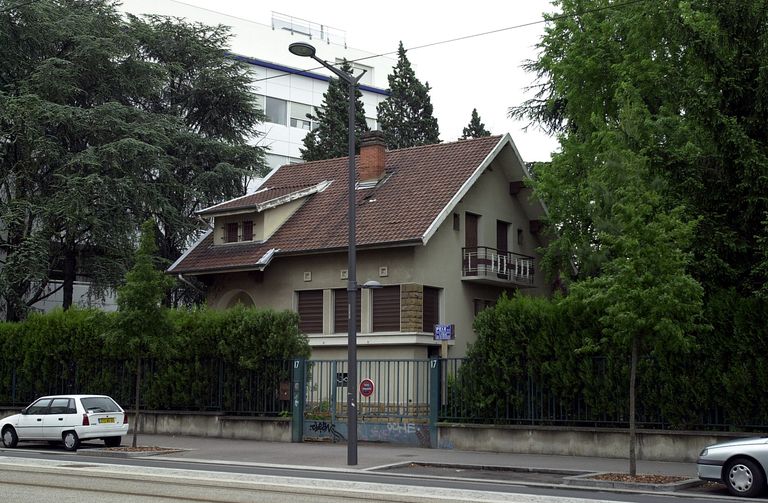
<point x="208" y="353"/>
<point x="531" y="363"/>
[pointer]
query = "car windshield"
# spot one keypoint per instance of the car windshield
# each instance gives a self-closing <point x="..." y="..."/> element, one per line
<point x="99" y="404"/>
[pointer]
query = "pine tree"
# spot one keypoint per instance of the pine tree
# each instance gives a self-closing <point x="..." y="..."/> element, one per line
<point x="475" y="128"/>
<point x="406" y="115"/>
<point x="331" y="139"/>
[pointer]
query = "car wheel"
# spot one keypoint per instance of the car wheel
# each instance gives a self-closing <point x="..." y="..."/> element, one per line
<point x="10" y="439"/>
<point x="71" y="441"/>
<point x="113" y="441"/>
<point x="744" y="478"/>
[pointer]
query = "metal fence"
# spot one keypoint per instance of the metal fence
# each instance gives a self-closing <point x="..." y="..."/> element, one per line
<point x="186" y="385"/>
<point x="401" y="390"/>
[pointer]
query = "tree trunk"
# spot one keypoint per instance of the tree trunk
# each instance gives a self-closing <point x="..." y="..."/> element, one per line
<point x="70" y="261"/>
<point x="138" y="388"/>
<point x="632" y="425"/>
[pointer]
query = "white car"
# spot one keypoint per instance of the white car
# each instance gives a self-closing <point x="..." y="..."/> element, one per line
<point x="739" y="464"/>
<point x="68" y="419"/>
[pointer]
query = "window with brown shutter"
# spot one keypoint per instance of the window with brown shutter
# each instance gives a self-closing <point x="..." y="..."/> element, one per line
<point x="386" y="309"/>
<point x="248" y="230"/>
<point x="232" y="233"/>
<point x="431" y="310"/>
<point x="310" y="311"/>
<point x="341" y="310"/>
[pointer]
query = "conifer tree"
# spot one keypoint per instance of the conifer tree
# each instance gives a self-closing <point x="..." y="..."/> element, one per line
<point x="330" y="139"/>
<point x="406" y="115"/>
<point x="475" y="128"/>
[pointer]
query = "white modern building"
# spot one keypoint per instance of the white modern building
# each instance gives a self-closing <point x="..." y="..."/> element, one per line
<point x="288" y="86"/>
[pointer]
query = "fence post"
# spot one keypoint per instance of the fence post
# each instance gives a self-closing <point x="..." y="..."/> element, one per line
<point x="434" y="401"/>
<point x="299" y="386"/>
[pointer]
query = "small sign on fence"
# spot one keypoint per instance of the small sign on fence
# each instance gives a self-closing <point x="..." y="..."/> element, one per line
<point x="445" y="332"/>
<point x="366" y="387"/>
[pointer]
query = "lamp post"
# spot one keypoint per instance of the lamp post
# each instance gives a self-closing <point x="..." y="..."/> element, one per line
<point x="308" y="51"/>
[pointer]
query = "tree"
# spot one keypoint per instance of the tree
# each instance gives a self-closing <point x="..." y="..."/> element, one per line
<point x="475" y="128"/>
<point x="331" y="138"/>
<point x="104" y="122"/>
<point x="705" y="133"/>
<point x="142" y="322"/>
<point x="405" y="115"/>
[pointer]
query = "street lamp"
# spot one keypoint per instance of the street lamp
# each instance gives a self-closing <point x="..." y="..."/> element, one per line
<point x="306" y="50"/>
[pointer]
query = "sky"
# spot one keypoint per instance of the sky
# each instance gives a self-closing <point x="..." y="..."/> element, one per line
<point x="482" y="72"/>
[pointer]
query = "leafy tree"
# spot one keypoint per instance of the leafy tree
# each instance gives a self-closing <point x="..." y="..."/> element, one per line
<point x="705" y="129"/>
<point x="475" y="128"/>
<point x="625" y="191"/>
<point x="100" y="128"/>
<point x="142" y="325"/>
<point x="406" y="115"/>
<point x="331" y="138"/>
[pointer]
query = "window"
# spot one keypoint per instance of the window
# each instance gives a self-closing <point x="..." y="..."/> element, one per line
<point x="99" y="404"/>
<point x="456" y="222"/>
<point x="248" y="230"/>
<point x="231" y="236"/>
<point x="520" y="237"/>
<point x="480" y="304"/>
<point x="386" y="309"/>
<point x="62" y="406"/>
<point x="310" y="304"/>
<point x="341" y="311"/>
<point x="299" y="117"/>
<point x="39" y="407"/>
<point x="275" y="110"/>
<point x="431" y="309"/>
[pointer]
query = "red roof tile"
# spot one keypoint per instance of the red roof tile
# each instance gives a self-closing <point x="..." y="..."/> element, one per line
<point x="421" y="182"/>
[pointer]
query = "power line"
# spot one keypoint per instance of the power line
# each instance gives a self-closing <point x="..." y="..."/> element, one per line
<point x="14" y="7"/>
<point x="475" y="35"/>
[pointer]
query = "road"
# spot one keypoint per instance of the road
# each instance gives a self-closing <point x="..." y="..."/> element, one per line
<point x="33" y="476"/>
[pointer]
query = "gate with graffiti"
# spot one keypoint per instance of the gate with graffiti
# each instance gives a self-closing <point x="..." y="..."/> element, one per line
<point x="394" y="405"/>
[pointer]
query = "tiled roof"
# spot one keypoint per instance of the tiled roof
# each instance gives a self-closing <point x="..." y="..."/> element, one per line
<point x="421" y="182"/>
<point x="252" y="200"/>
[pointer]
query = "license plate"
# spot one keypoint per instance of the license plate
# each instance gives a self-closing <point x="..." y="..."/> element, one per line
<point x="103" y="420"/>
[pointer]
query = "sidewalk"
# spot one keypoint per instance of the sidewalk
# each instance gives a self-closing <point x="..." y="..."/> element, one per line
<point x="370" y="455"/>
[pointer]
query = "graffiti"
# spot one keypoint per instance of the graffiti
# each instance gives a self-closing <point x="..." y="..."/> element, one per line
<point x="321" y="426"/>
<point x="324" y="429"/>
<point x="407" y="428"/>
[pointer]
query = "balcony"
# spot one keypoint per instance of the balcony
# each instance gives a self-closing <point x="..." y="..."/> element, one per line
<point x="496" y="267"/>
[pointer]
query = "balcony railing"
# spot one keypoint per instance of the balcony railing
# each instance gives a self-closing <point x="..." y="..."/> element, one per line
<point x="496" y="266"/>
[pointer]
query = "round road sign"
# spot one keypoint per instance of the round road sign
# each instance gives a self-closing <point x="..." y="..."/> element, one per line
<point x="366" y="387"/>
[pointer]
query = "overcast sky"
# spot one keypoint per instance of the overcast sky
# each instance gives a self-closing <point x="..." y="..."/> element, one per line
<point x="483" y="72"/>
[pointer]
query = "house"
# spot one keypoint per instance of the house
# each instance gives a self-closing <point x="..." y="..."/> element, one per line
<point x="444" y="228"/>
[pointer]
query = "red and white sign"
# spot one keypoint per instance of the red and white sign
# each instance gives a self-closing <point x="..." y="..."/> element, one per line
<point x="366" y="387"/>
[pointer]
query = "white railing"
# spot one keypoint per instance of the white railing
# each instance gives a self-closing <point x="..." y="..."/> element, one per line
<point x="490" y="263"/>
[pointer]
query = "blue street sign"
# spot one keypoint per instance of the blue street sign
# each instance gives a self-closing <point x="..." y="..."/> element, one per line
<point x="444" y="332"/>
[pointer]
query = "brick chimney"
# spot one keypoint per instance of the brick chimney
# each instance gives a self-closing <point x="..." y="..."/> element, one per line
<point x="371" y="164"/>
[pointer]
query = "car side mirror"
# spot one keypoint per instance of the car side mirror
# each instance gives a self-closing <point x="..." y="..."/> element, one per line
<point x="24" y="411"/>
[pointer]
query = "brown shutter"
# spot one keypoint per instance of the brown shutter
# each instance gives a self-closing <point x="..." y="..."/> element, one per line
<point x="248" y="230"/>
<point x="232" y="233"/>
<point x="311" y="311"/>
<point x="470" y="230"/>
<point x="431" y="316"/>
<point x="340" y="309"/>
<point x="386" y="309"/>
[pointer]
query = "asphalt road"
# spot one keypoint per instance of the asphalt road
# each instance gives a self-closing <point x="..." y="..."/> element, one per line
<point x="32" y="475"/>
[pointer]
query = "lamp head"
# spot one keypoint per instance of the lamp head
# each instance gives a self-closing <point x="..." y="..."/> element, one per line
<point x="302" y="49"/>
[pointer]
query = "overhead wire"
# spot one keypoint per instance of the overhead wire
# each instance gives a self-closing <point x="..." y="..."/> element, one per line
<point x="474" y="35"/>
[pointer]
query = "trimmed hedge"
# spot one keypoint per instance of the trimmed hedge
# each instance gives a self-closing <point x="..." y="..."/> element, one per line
<point x="530" y="363"/>
<point x="208" y="354"/>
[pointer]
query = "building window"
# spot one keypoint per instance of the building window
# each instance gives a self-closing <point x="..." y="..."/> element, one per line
<point x="275" y="110"/>
<point x="232" y="233"/>
<point x="431" y="309"/>
<point x="520" y="237"/>
<point x="248" y="230"/>
<point x="310" y="307"/>
<point x="341" y="311"/>
<point x="386" y="309"/>
<point x="299" y="119"/>
<point x="481" y="304"/>
<point x="456" y="222"/>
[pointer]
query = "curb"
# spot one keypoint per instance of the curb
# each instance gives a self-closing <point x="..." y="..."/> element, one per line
<point x="107" y="453"/>
<point x="586" y="480"/>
